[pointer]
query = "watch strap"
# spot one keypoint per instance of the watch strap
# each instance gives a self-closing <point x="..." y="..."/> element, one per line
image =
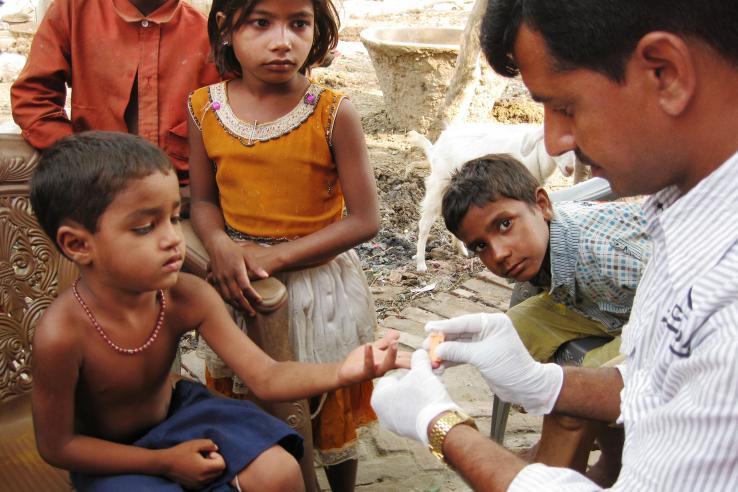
<point x="441" y="427"/>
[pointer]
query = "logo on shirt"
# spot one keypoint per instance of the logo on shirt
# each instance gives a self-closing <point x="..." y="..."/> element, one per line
<point x="675" y="321"/>
<point x="683" y="324"/>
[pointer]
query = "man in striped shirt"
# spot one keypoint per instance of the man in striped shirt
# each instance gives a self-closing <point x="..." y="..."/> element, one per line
<point x="646" y="93"/>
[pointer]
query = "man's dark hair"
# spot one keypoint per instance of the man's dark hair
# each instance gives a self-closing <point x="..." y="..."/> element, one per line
<point x="484" y="180"/>
<point x="601" y="35"/>
<point x="79" y="176"/>
<point x="236" y="12"/>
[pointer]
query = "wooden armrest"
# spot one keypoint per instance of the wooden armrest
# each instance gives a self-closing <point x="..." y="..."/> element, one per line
<point x="21" y="467"/>
<point x="32" y="273"/>
<point x="273" y="292"/>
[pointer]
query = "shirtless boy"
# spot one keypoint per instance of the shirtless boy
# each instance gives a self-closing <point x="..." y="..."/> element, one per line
<point x="104" y="404"/>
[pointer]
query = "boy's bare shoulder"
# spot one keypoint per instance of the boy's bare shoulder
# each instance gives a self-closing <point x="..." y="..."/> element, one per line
<point x="60" y="327"/>
<point x="189" y="285"/>
<point x="192" y="298"/>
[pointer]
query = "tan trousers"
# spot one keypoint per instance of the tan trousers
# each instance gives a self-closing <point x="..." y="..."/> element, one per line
<point x="544" y="325"/>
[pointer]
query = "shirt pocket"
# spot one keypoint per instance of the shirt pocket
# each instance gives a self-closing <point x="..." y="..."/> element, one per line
<point x="628" y="247"/>
<point x="177" y="145"/>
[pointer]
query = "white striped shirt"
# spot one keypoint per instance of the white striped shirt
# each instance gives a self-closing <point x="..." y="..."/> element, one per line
<point x="679" y="404"/>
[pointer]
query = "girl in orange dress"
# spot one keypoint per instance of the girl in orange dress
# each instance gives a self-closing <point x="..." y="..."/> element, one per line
<point x="275" y="158"/>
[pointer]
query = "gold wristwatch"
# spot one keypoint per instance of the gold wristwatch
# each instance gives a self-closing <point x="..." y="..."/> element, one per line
<point x="441" y="428"/>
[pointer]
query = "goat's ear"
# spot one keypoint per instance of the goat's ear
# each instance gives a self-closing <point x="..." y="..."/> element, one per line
<point x="543" y="202"/>
<point x="530" y="140"/>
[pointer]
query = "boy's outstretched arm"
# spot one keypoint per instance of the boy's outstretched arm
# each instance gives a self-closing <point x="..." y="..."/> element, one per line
<point x="282" y="381"/>
<point x="38" y="95"/>
<point x="56" y="368"/>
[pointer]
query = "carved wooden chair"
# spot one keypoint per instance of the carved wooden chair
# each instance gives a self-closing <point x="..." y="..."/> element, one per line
<point x="32" y="273"/>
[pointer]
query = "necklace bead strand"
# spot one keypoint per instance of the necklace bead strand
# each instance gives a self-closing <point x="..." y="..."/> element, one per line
<point x="112" y="344"/>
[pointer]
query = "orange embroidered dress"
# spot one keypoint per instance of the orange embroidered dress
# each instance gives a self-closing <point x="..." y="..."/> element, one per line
<point x="277" y="182"/>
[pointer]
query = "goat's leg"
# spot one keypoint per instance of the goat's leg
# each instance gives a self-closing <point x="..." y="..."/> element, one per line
<point x="581" y="172"/>
<point x="460" y="247"/>
<point x="427" y="218"/>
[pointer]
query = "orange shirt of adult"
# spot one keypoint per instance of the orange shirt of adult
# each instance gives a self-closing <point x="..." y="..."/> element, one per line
<point x="99" y="47"/>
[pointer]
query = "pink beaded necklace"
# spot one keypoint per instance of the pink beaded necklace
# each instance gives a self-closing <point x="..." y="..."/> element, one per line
<point x="116" y="347"/>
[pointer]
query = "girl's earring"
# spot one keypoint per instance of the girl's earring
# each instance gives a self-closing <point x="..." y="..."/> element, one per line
<point x="226" y="42"/>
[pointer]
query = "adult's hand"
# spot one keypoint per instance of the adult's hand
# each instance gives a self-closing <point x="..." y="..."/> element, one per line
<point x="407" y="401"/>
<point x="490" y="343"/>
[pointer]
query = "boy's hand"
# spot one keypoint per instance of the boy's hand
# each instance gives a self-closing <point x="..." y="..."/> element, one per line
<point x="195" y="463"/>
<point x="230" y="267"/>
<point x="372" y="360"/>
<point x="490" y="343"/>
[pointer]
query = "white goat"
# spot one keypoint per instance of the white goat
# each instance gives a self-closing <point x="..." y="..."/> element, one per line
<point x="461" y="143"/>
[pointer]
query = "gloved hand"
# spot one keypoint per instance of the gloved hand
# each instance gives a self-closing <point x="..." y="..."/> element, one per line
<point x="406" y="401"/>
<point x="490" y="343"/>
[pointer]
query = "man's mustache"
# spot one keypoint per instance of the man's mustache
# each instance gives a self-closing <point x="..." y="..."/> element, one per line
<point x="584" y="158"/>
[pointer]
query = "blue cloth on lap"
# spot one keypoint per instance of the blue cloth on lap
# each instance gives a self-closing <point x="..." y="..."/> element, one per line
<point x="241" y="430"/>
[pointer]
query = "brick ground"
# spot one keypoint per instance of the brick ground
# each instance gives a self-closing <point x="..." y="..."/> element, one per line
<point x="391" y="463"/>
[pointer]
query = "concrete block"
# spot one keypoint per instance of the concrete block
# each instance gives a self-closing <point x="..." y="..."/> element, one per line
<point x="419" y="315"/>
<point x="450" y="306"/>
<point x="404" y="325"/>
<point x="489" y="293"/>
<point x="488" y="276"/>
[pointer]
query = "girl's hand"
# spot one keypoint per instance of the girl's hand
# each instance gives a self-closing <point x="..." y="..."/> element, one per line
<point x="193" y="464"/>
<point x="372" y="360"/>
<point x="264" y="257"/>
<point x="230" y="268"/>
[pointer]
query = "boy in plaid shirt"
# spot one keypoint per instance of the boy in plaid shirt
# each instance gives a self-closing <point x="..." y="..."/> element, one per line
<point x="587" y="257"/>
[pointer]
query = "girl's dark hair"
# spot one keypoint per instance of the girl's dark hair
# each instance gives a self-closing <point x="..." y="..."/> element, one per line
<point x="237" y="11"/>
<point x="79" y="176"/>
<point x="484" y="180"/>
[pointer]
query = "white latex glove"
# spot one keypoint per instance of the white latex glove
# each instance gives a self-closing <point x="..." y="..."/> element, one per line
<point x="406" y="401"/>
<point x="490" y="343"/>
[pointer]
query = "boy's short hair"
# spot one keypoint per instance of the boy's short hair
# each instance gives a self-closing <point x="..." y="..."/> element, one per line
<point x="485" y="180"/>
<point x="237" y="11"/>
<point x="79" y="176"/>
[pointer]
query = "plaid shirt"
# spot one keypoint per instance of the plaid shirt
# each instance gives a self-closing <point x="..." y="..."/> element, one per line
<point x="598" y="253"/>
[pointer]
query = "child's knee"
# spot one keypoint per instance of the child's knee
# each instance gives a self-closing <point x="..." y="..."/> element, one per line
<point x="273" y="470"/>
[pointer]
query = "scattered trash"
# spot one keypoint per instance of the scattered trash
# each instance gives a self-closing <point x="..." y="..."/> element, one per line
<point x="426" y="288"/>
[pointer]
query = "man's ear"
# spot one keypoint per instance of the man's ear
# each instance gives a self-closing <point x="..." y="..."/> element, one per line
<point x="543" y="202"/>
<point x="75" y="241"/>
<point x="669" y="65"/>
